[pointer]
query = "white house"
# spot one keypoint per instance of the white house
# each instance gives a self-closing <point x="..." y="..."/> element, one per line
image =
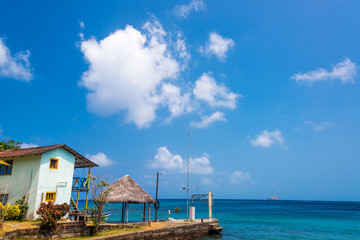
<point x="41" y="174"/>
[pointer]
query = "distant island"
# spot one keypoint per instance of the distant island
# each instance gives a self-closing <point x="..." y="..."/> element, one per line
<point x="273" y="198"/>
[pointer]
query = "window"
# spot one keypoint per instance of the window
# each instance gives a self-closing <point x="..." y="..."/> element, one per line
<point x="5" y="169"/>
<point x="50" y="196"/>
<point x="54" y="163"/>
<point x="4" y="198"/>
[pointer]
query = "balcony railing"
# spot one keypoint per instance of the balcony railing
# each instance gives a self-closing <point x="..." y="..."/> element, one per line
<point x="80" y="183"/>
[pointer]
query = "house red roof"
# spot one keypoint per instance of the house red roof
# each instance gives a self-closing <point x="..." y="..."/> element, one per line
<point x="80" y="161"/>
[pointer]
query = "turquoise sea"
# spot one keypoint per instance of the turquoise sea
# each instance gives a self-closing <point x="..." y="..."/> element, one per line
<point x="266" y="219"/>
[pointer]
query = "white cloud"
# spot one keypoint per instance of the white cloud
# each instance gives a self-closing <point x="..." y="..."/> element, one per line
<point x="100" y="159"/>
<point x="17" y="66"/>
<point x="194" y="5"/>
<point x="344" y="71"/>
<point x="168" y="161"/>
<point x="201" y="165"/>
<point x="82" y="24"/>
<point x="207" y="90"/>
<point x="207" y="120"/>
<point x="239" y="176"/>
<point x="181" y="49"/>
<point x="206" y="181"/>
<point x="164" y="159"/>
<point x="218" y="46"/>
<point x="176" y="103"/>
<point x="127" y="70"/>
<point x="29" y="145"/>
<point x="319" y="127"/>
<point x="267" y="139"/>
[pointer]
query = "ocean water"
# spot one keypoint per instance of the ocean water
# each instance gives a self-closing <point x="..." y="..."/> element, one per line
<point x="265" y="219"/>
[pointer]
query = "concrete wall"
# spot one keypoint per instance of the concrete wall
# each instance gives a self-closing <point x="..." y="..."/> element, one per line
<point x="23" y="181"/>
<point x="179" y="232"/>
<point x="56" y="180"/>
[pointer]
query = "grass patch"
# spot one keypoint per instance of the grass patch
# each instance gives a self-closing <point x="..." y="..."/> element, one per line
<point x="12" y="225"/>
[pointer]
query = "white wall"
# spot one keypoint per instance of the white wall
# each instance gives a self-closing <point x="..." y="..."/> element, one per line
<point x="23" y="181"/>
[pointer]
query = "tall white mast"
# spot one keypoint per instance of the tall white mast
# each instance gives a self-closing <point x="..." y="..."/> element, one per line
<point x="187" y="186"/>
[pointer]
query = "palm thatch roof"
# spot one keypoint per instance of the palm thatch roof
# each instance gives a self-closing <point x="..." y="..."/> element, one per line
<point x="125" y="189"/>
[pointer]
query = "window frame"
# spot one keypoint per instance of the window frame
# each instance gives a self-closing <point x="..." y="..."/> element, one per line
<point x="2" y="196"/>
<point x="11" y="162"/>
<point x="57" y="163"/>
<point x="50" y="199"/>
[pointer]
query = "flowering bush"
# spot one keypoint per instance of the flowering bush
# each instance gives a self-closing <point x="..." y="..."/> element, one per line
<point x="50" y="214"/>
<point x="13" y="212"/>
<point x="4" y="209"/>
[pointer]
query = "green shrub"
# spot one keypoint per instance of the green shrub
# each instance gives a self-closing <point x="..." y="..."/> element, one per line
<point x="23" y="208"/>
<point x="13" y="213"/>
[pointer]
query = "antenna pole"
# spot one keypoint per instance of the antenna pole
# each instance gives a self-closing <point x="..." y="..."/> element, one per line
<point x="187" y="187"/>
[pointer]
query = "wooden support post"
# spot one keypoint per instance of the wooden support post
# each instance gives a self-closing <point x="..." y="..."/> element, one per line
<point x="149" y="212"/>
<point x="122" y="213"/>
<point x="144" y="212"/>
<point x="77" y="199"/>
<point x="210" y="205"/>
<point x="127" y="212"/>
<point x="87" y="192"/>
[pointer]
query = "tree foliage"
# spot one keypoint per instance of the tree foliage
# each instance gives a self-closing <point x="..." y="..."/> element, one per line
<point x="4" y="209"/>
<point x="99" y="192"/>
<point x="9" y="144"/>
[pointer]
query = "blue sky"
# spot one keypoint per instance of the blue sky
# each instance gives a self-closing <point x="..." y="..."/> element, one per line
<point x="268" y="89"/>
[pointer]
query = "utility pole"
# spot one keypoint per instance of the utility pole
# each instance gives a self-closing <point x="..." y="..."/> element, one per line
<point x="157" y="187"/>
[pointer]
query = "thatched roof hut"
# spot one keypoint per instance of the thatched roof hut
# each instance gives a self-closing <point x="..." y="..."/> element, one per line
<point x="126" y="189"/>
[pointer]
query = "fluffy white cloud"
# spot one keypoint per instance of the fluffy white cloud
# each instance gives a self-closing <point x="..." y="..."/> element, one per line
<point x="17" y="66"/>
<point x="175" y="101"/>
<point x="100" y="159"/>
<point x="344" y="71"/>
<point x="207" y="120"/>
<point x="28" y="145"/>
<point x="166" y="160"/>
<point x="127" y="70"/>
<point x="201" y="165"/>
<point x="207" y="90"/>
<point x="267" y="139"/>
<point x="194" y="5"/>
<point x="319" y="127"/>
<point x="239" y="176"/>
<point x="218" y="46"/>
<point x="132" y="72"/>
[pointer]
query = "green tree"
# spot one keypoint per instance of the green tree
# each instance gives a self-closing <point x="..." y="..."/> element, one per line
<point x="9" y="144"/>
<point x="99" y="191"/>
<point x="177" y="210"/>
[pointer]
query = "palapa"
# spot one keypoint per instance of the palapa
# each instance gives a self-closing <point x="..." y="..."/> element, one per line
<point x="127" y="190"/>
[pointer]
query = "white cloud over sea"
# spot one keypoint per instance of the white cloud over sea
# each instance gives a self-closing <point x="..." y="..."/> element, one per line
<point x="165" y="160"/>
